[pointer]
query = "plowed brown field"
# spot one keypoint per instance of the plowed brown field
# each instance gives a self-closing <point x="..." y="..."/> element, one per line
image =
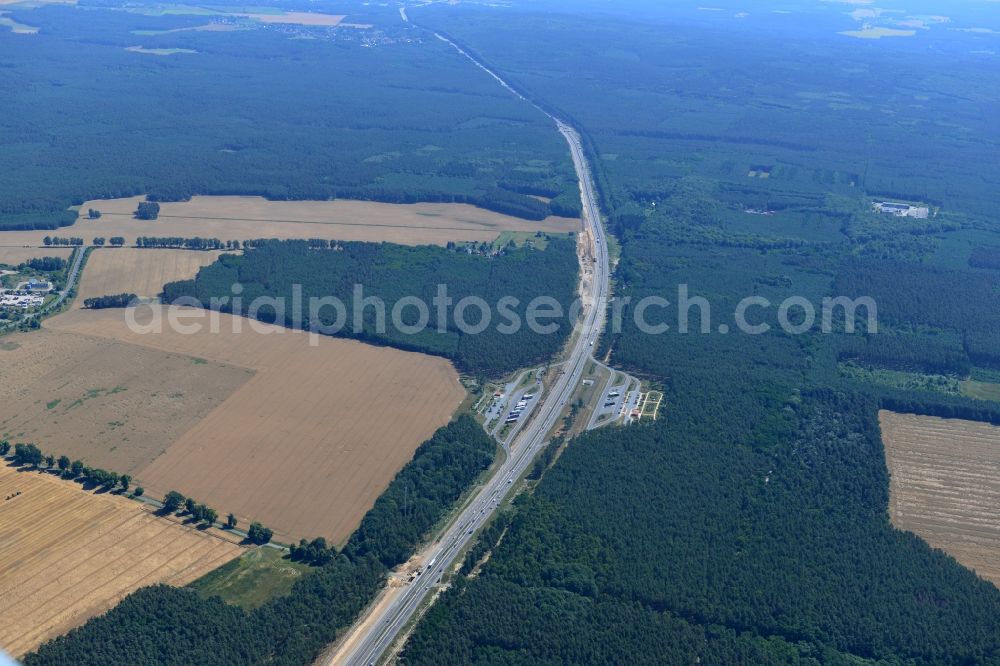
<point x="309" y="443"/>
<point x="945" y="485"/>
<point x="241" y="218"/>
<point x="67" y="555"/>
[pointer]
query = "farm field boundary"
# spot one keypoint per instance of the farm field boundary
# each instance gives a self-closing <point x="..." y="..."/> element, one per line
<point x="242" y="218"/>
<point x="945" y="485"/>
<point x="311" y="440"/>
<point x="67" y="555"/>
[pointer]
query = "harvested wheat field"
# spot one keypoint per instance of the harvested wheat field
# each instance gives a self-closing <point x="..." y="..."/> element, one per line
<point x="242" y="218"/>
<point x="307" y="444"/>
<point x="945" y="485"/>
<point x="142" y="272"/>
<point x="110" y="404"/>
<point x="17" y="255"/>
<point x="298" y="18"/>
<point x="67" y="554"/>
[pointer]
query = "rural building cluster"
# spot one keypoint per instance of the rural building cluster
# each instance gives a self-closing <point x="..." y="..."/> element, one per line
<point x="30" y="294"/>
<point x="901" y="209"/>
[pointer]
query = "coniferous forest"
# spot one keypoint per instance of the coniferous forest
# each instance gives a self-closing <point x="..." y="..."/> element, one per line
<point x="737" y="154"/>
<point x="290" y="113"/>
<point x="750" y="523"/>
<point x="393" y="273"/>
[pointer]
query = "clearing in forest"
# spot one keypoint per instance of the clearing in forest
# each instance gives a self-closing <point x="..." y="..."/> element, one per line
<point x="67" y="554"/>
<point x="142" y="272"/>
<point x="242" y="218"/>
<point x="311" y="440"/>
<point x="945" y="485"/>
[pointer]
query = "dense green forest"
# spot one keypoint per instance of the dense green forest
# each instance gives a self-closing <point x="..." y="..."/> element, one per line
<point x="965" y="302"/>
<point x="761" y="537"/>
<point x="768" y="112"/>
<point x="738" y="157"/>
<point x="749" y="524"/>
<point x="287" y="113"/>
<point x="176" y="627"/>
<point x="392" y="273"/>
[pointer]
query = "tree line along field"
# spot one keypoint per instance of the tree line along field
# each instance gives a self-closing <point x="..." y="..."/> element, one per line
<point x="137" y="271"/>
<point x="294" y="628"/>
<point x="222" y="388"/>
<point x="943" y="485"/>
<point x="68" y="555"/>
<point x="13" y="256"/>
<point x="281" y="117"/>
<point x="247" y="217"/>
<point x="308" y="443"/>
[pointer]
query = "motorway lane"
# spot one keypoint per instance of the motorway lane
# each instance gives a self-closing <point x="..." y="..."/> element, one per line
<point x="391" y="617"/>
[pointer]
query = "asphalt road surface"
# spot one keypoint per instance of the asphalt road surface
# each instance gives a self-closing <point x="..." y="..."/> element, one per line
<point x="377" y="630"/>
<point x="74" y="271"/>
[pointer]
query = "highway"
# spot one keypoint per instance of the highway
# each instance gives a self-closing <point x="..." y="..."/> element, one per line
<point x="375" y="632"/>
<point x="74" y="272"/>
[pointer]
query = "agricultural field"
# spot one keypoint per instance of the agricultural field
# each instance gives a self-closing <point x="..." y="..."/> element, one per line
<point x="241" y="218"/>
<point x="297" y="18"/>
<point x="944" y="485"/>
<point x="142" y="272"/>
<point x="67" y="555"/>
<point x="16" y="255"/>
<point x="310" y="441"/>
<point x="110" y="404"/>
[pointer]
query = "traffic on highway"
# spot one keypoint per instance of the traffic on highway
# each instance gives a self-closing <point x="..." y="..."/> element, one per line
<point x="375" y="633"/>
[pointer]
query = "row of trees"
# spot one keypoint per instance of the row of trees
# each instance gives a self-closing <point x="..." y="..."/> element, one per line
<point x="99" y="241"/>
<point x="58" y="240"/>
<point x="175" y="502"/>
<point x="195" y="243"/>
<point x="30" y="454"/>
<point x="122" y="300"/>
<point x="293" y="629"/>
